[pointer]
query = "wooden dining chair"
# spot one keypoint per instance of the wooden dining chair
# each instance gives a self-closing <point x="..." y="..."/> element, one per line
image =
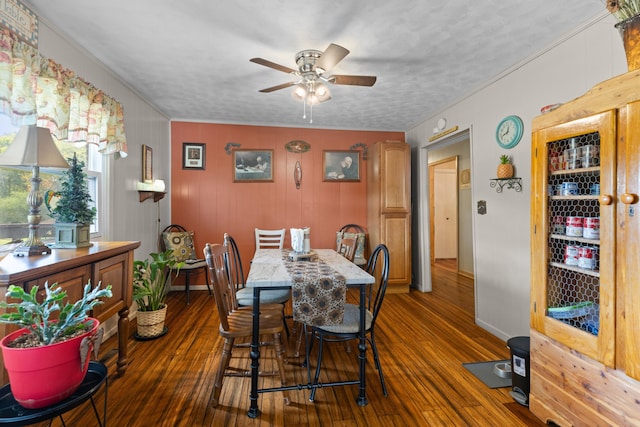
<point x="244" y="295"/>
<point x="237" y="323"/>
<point x="349" y="329"/>
<point x="272" y="239"/>
<point x="269" y="239"/>
<point x="180" y="241"/>
<point x="269" y="298"/>
<point x="347" y="248"/>
<point x="359" y="233"/>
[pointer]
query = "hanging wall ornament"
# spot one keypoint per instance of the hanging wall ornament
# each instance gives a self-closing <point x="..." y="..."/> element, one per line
<point x="297" y="146"/>
<point x="229" y="147"/>
<point x="297" y="175"/>
<point x="354" y="147"/>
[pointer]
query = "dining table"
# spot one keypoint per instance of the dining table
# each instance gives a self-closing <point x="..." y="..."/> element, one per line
<point x="285" y="269"/>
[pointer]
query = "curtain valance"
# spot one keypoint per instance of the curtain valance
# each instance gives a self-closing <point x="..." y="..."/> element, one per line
<point x="35" y="90"/>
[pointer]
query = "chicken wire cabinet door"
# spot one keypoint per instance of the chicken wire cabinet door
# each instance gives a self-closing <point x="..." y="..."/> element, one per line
<point x="573" y="235"/>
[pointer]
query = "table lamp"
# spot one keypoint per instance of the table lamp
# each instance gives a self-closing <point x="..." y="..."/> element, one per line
<point x="33" y="146"/>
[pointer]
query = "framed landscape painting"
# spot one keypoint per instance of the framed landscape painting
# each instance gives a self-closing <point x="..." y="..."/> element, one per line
<point x="253" y="165"/>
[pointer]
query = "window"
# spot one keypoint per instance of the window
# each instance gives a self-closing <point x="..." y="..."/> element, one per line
<point x="15" y="185"/>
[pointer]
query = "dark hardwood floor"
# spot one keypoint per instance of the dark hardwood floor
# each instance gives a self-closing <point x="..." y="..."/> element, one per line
<point x="423" y="339"/>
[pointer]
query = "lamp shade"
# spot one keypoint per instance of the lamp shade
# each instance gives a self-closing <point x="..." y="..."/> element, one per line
<point x="299" y="92"/>
<point x="33" y="146"/>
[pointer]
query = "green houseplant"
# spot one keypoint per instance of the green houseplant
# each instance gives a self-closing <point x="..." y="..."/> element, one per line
<point x="73" y="211"/>
<point x="151" y="280"/>
<point x="47" y="358"/>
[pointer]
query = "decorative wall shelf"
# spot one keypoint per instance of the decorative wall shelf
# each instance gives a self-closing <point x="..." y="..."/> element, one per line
<point x="510" y="183"/>
<point x="156" y="195"/>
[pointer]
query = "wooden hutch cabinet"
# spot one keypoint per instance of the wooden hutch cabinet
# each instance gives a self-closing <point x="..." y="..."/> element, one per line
<point x="389" y="208"/>
<point x="108" y="263"/>
<point x="585" y="262"/>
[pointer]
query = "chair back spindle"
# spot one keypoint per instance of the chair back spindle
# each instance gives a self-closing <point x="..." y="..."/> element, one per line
<point x="234" y="263"/>
<point x="374" y="303"/>
<point x="347" y="248"/>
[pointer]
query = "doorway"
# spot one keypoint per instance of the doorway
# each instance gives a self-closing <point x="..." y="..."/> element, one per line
<point x="443" y="218"/>
<point x="455" y="146"/>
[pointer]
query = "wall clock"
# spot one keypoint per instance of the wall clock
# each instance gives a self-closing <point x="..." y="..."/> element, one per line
<point x="509" y="131"/>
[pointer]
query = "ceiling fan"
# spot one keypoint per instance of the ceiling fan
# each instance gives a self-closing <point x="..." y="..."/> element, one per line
<point x="312" y="73"/>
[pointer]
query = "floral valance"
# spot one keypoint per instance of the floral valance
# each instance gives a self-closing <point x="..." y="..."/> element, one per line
<point x="35" y="90"/>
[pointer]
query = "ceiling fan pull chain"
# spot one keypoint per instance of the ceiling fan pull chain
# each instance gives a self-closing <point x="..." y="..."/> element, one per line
<point x="310" y="112"/>
<point x="304" y="108"/>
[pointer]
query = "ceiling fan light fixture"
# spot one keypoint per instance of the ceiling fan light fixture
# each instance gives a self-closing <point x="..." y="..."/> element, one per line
<point x="311" y="93"/>
<point x="322" y="92"/>
<point x="299" y="92"/>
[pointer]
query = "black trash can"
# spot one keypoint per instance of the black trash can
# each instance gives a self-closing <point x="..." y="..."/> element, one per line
<point x="520" y="383"/>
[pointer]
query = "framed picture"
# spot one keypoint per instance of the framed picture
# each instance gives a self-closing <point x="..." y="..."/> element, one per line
<point x="147" y="163"/>
<point x="465" y="179"/>
<point x="193" y="155"/>
<point x="252" y="165"/>
<point x="341" y="166"/>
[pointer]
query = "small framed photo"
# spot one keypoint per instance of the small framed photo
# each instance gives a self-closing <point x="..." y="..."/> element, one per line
<point x="341" y="166"/>
<point x="252" y="165"/>
<point x="193" y="155"/>
<point x="147" y="163"/>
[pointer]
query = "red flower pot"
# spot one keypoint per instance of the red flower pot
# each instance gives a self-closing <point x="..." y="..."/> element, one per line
<point x="42" y="376"/>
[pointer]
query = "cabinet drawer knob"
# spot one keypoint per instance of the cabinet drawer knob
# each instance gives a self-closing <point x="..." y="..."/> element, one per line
<point x="628" y="198"/>
<point x="605" y="199"/>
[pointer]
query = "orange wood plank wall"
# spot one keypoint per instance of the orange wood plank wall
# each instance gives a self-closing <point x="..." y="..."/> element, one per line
<point x="210" y="203"/>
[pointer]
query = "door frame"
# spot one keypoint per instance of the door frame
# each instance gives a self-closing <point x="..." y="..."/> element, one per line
<point x="423" y="209"/>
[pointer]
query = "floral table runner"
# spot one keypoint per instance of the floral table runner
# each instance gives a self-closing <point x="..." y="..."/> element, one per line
<point x="318" y="291"/>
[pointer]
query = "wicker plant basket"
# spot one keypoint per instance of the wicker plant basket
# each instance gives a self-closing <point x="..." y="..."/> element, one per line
<point x="151" y="323"/>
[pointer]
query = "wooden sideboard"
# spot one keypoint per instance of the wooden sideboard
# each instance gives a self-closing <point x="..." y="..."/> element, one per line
<point x="108" y="263"/>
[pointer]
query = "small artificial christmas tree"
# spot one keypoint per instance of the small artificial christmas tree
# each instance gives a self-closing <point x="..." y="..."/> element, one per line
<point x="74" y="199"/>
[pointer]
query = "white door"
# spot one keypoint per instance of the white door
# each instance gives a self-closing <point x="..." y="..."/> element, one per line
<point x="445" y="211"/>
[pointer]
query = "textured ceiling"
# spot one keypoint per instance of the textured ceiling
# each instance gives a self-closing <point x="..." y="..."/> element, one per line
<point x="190" y="58"/>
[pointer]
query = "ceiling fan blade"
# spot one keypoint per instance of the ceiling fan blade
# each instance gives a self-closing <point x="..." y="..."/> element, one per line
<point x="274" y="88"/>
<point x="341" y="79"/>
<point x="331" y="56"/>
<point x="273" y="65"/>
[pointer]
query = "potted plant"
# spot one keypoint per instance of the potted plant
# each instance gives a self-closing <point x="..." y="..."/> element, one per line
<point x="47" y="359"/>
<point x="151" y="280"/>
<point x="73" y="211"/>
<point x="505" y="168"/>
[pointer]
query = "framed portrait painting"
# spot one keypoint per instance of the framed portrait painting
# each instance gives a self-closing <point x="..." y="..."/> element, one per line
<point x="341" y="166"/>
<point x="193" y="155"/>
<point x="252" y="165"/>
